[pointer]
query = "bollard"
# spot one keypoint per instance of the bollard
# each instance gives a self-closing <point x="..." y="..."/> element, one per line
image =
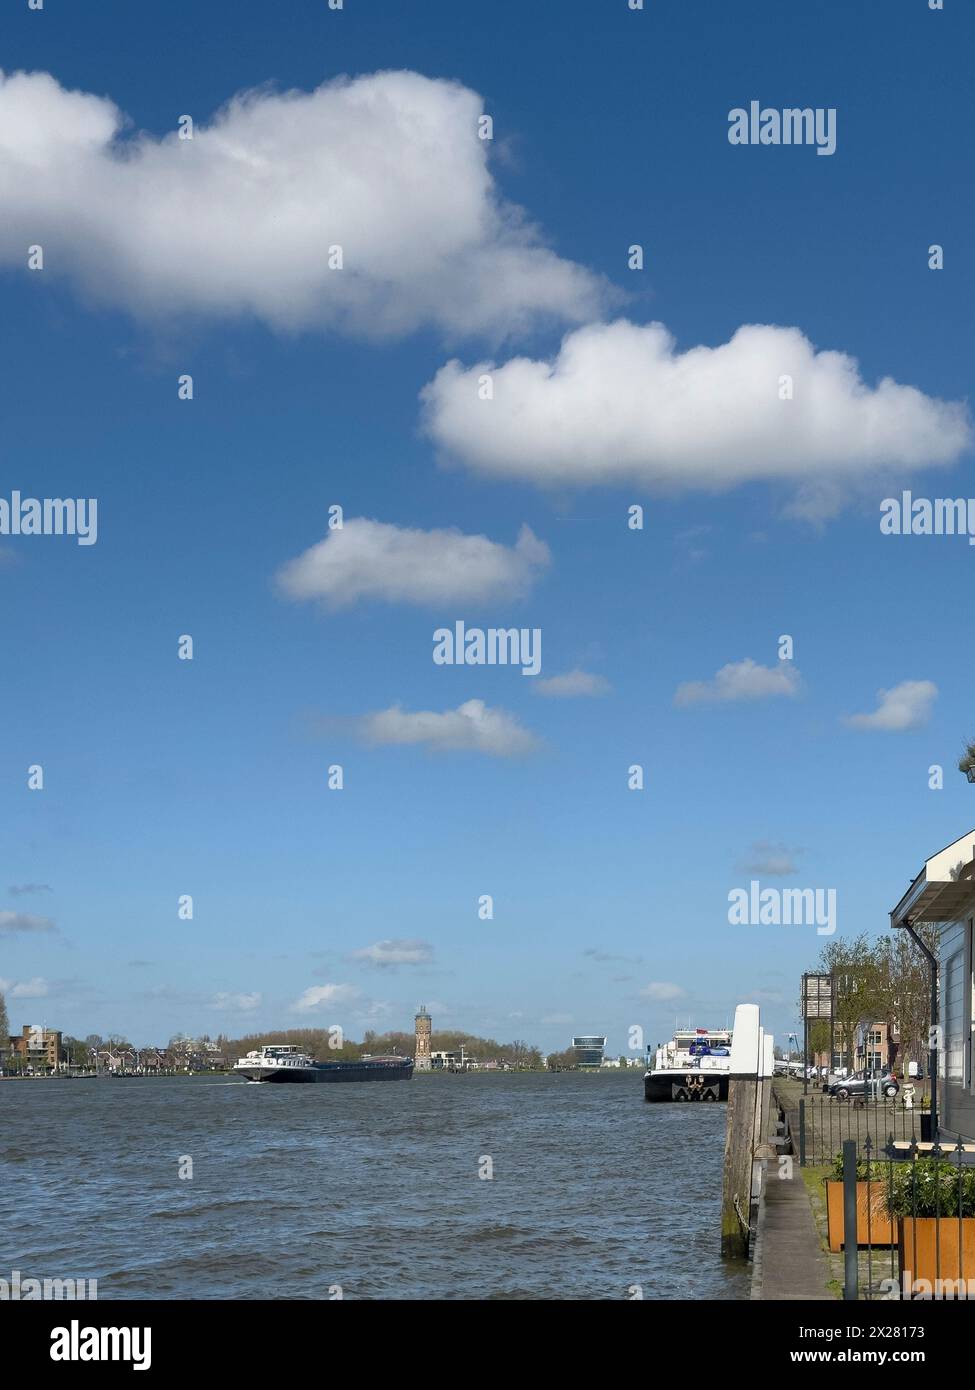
<point x="851" y="1273"/>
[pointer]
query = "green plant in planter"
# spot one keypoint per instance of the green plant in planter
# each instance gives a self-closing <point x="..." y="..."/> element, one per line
<point x="927" y="1187"/>
<point x="837" y="1174"/>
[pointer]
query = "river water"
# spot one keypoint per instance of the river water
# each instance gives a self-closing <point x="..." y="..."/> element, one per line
<point x="372" y="1190"/>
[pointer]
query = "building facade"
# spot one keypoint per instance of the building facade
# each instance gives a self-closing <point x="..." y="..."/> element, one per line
<point x="588" y="1051"/>
<point x="943" y="893"/>
<point x="424" y="1030"/>
<point x="39" y="1048"/>
<point x="873" y="1051"/>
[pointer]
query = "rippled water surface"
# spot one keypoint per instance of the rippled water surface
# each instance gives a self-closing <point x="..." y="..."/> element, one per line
<point x="371" y="1187"/>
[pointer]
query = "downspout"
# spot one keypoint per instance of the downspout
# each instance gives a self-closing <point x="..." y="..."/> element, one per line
<point x="933" y="1052"/>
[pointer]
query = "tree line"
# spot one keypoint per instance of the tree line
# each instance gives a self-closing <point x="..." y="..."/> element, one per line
<point x="886" y="980"/>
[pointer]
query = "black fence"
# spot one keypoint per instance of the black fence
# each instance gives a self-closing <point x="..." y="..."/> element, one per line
<point x="821" y="1125"/>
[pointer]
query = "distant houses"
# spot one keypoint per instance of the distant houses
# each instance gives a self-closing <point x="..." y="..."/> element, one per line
<point x="36" y="1049"/>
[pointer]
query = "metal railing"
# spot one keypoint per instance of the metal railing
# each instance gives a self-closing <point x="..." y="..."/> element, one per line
<point x="911" y="1205"/>
<point x="824" y="1123"/>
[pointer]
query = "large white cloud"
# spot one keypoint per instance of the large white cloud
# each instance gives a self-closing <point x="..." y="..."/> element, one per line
<point x="239" y="219"/>
<point x="374" y="560"/>
<point x="619" y="403"/>
<point x="472" y="726"/>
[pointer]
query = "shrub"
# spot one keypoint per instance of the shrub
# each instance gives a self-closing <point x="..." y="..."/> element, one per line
<point x="926" y="1187"/>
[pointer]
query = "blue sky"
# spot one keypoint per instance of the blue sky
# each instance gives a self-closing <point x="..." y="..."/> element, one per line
<point x="164" y="777"/>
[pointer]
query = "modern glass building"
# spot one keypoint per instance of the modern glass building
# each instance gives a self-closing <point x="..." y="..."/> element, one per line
<point x="588" y="1051"/>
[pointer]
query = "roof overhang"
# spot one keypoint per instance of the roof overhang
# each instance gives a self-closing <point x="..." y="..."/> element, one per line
<point x="944" y="890"/>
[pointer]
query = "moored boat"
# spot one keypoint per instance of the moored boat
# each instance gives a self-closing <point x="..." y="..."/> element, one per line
<point x="694" y="1066"/>
<point x="280" y="1063"/>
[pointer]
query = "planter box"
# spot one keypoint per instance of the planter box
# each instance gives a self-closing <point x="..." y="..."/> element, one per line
<point x="880" y="1230"/>
<point x="925" y="1253"/>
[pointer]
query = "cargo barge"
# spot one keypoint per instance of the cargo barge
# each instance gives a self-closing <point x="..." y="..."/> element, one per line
<point x="277" y="1063"/>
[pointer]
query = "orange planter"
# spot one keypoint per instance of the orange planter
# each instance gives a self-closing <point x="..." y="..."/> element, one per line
<point x="878" y="1230"/>
<point x="925" y="1253"/>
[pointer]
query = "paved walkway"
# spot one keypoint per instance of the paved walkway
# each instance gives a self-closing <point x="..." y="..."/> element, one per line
<point x="789" y="1260"/>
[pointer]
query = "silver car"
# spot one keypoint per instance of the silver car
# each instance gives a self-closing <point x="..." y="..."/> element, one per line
<point x="849" y="1088"/>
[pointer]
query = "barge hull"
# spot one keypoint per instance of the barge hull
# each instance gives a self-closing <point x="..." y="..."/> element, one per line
<point x="673" y="1088"/>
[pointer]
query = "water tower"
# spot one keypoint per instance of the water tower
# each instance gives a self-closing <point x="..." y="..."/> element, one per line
<point x="424" y="1027"/>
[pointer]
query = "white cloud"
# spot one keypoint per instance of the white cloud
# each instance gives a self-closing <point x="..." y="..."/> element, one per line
<point x="619" y="403"/>
<point x="394" y="952"/>
<point x="36" y="988"/>
<point x="661" y="990"/>
<point x="741" y="680"/>
<point x="907" y="706"/>
<point x="472" y="726"/>
<point x="237" y="1003"/>
<point x="319" y="995"/>
<point x="570" y="684"/>
<point x="239" y="220"/>
<point x="24" y="922"/>
<point x="552" y="1019"/>
<point x="771" y="860"/>
<point x="374" y="560"/>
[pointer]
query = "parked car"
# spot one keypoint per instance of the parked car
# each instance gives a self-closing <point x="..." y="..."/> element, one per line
<point x="861" y="1084"/>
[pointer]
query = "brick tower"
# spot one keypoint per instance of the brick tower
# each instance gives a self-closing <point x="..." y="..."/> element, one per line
<point x="424" y="1026"/>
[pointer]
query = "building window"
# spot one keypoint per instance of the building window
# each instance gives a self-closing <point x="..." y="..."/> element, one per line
<point x="957" y="1013"/>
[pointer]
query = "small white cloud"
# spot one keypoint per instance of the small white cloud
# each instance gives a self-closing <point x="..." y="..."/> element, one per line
<point x="619" y="403"/>
<point x="374" y="560"/>
<point x="395" y="952"/>
<point x="552" y="1019"/>
<point x="36" y="988"/>
<point x="472" y="726"/>
<point x="237" y="1003"/>
<point x="571" y="684"/>
<point x="661" y="991"/>
<point x="907" y="706"/>
<point x="318" y="995"/>
<point x="771" y="860"/>
<point x="11" y="922"/>
<point x="741" y="680"/>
